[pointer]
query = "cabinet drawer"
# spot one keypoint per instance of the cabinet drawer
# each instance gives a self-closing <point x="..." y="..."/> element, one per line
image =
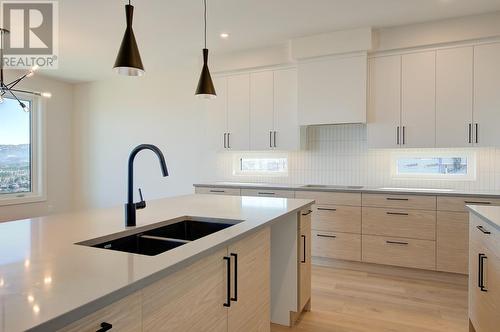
<point x="416" y="224"/>
<point x="452" y="241"/>
<point x="458" y="204"/>
<point x="405" y="252"/>
<point x="268" y="193"/>
<point x="337" y="218"/>
<point x="218" y="191"/>
<point x="400" y="201"/>
<point x="334" y="198"/>
<point x="336" y="245"/>
<point x="124" y="315"/>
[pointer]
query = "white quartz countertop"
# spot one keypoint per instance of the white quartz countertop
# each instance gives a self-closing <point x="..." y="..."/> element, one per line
<point x="348" y="188"/>
<point x="47" y="281"/>
<point x="491" y="214"/>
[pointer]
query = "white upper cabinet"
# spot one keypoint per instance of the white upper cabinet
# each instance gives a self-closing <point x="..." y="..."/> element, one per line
<point x="285" y="110"/>
<point x="384" y="108"/>
<point x="454" y="86"/>
<point x="418" y="101"/>
<point x="332" y="90"/>
<point x="487" y="95"/>
<point x="261" y="110"/>
<point x="216" y="118"/>
<point x="238" y="112"/>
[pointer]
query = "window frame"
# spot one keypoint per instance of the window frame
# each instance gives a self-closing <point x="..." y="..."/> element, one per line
<point x="38" y="191"/>
<point x="259" y="155"/>
<point x="469" y="155"/>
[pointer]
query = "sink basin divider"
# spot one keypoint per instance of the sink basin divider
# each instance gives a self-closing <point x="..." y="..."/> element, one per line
<point x="160" y="238"/>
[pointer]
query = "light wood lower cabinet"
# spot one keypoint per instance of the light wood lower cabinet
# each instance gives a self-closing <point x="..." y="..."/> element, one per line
<point x="304" y="257"/>
<point x="123" y="315"/>
<point x="336" y="245"/>
<point x="251" y="270"/>
<point x="268" y="193"/>
<point x="484" y="275"/>
<point x="405" y="252"/>
<point x="337" y="218"/>
<point x="452" y="241"/>
<point x="218" y="191"/>
<point x="398" y="201"/>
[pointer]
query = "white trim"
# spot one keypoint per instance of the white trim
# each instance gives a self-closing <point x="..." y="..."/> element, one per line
<point x="469" y="155"/>
<point x="38" y="151"/>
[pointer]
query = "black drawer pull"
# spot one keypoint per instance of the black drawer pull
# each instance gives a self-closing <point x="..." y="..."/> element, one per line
<point x="307" y="213"/>
<point x="217" y="191"/>
<point x="235" y="298"/>
<point x="228" y="285"/>
<point x="398" y="213"/>
<point x="477" y="203"/>
<point x="304" y="249"/>
<point x="397" y="242"/>
<point x="269" y="193"/>
<point x="326" y="209"/>
<point x="329" y="236"/>
<point x="480" y="280"/>
<point x="105" y="327"/>
<point x="396" y="199"/>
<point x="482" y="229"/>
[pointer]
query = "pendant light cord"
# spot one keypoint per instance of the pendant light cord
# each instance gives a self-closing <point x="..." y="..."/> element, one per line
<point x="205" y="4"/>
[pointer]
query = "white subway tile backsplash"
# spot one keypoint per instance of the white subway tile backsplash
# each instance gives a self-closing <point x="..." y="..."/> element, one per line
<point x="338" y="154"/>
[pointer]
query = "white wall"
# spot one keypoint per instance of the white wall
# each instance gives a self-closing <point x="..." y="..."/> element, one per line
<point x="58" y="115"/>
<point x="339" y="154"/>
<point x="113" y="116"/>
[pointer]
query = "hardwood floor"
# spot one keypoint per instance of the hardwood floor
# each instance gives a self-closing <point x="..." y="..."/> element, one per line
<point x="355" y="297"/>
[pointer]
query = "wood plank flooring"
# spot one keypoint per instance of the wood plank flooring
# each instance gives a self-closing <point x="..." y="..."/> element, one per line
<point x="370" y="298"/>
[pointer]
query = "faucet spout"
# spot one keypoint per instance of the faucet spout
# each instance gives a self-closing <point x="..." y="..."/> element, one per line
<point x="130" y="206"/>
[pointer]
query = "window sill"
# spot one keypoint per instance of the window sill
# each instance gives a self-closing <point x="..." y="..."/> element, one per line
<point x="27" y="199"/>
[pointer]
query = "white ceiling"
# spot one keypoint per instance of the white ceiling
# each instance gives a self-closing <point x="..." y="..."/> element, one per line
<point x="171" y="30"/>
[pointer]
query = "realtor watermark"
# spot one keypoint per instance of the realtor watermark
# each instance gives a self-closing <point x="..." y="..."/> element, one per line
<point x="33" y="34"/>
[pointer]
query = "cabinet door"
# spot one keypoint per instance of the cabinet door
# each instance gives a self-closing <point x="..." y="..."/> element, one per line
<point x="332" y="91"/>
<point x="261" y="110"/>
<point x="454" y="97"/>
<point x="384" y="110"/>
<point x="452" y="239"/>
<point x="189" y="300"/>
<point x="486" y="94"/>
<point x="285" y="110"/>
<point x="305" y="260"/>
<point x="238" y="107"/>
<point x="251" y="310"/>
<point x="216" y="116"/>
<point x="419" y="100"/>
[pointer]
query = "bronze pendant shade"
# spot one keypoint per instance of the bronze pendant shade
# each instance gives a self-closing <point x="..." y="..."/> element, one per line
<point x="205" y="87"/>
<point x="128" y="62"/>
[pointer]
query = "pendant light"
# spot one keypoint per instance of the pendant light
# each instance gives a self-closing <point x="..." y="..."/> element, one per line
<point x="205" y="87"/>
<point x="128" y="62"/>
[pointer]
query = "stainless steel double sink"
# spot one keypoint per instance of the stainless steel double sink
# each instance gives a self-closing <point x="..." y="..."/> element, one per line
<point x="154" y="241"/>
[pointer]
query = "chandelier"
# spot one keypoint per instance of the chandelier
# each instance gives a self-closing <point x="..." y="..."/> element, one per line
<point x="9" y="89"/>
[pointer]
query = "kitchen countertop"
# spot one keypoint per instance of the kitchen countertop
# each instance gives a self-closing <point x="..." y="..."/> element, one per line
<point x="47" y="281"/>
<point x="490" y="214"/>
<point x="363" y="189"/>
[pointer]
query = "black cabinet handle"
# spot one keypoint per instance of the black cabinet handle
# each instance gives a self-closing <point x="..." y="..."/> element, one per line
<point x="398" y="213"/>
<point x="482" y="257"/>
<point x="225" y="140"/>
<point x="105" y="327"/>
<point x="477" y="203"/>
<point x="235" y="298"/>
<point x="477" y="131"/>
<point x="397" y="135"/>
<point x="307" y="213"/>
<point x="404" y="135"/>
<point x="303" y="249"/>
<point x="228" y="295"/>
<point x="329" y="236"/>
<point x="266" y="193"/>
<point x="228" y="140"/>
<point x="217" y="191"/>
<point x="326" y="209"/>
<point x="270" y="139"/>
<point x="470" y="133"/>
<point x="397" y="242"/>
<point x="482" y="229"/>
<point x="396" y="199"/>
<point x="274" y="139"/>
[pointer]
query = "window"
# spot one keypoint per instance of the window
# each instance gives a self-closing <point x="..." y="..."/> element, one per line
<point x="269" y="164"/>
<point x="452" y="166"/>
<point x="19" y="152"/>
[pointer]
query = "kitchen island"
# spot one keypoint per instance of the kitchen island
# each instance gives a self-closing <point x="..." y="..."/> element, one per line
<point x="48" y="281"/>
